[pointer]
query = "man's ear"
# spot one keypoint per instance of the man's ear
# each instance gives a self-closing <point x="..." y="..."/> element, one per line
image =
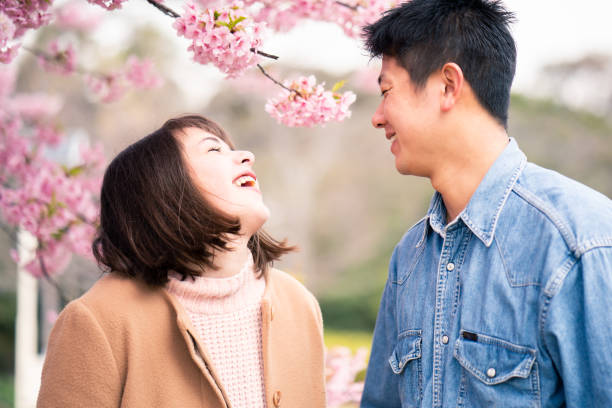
<point x="453" y="81"/>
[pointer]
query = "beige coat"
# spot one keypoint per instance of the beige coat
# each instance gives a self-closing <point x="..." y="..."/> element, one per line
<point x="123" y="344"/>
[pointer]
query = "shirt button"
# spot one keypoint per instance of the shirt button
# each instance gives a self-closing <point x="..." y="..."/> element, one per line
<point x="445" y="339"/>
<point x="276" y="399"/>
<point x="491" y="372"/>
<point x="450" y="266"/>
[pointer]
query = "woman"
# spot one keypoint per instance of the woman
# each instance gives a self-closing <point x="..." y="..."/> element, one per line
<point x="190" y="313"/>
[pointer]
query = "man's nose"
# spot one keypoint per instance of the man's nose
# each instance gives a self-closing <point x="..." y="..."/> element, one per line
<point x="378" y="119"/>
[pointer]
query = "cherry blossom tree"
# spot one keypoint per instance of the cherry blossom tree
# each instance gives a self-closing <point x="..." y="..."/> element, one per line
<point x="58" y="202"/>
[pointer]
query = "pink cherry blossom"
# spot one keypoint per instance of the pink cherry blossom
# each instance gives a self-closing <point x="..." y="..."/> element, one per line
<point x="225" y="37"/>
<point x="58" y="205"/>
<point x="26" y="14"/>
<point x="108" y="4"/>
<point x="136" y="73"/>
<point x="341" y="370"/>
<point x="7" y="30"/>
<point x="59" y="58"/>
<point x="37" y="105"/>
<point x="309" y="105"/>
<point x="363" y="12"/>
<point x="74" y="15"/>
<point x="141" y="73"/>
<point x="7" y="33"/>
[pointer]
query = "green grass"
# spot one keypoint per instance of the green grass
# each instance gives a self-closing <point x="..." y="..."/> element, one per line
<point x="352" y="339"/>
<point x="7" y="390"/>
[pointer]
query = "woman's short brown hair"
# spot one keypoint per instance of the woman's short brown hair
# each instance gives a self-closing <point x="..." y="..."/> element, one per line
<point x="154" y="219"/>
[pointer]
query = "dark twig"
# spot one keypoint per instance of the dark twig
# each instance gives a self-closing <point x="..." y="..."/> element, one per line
<point x="343" y="4"/>
<point x="263" y="71"/>
<point x="55" y="60"/>
<point x="166" y="10"/>
<point x="57" y="287"/>
<point x="264" y="54"/>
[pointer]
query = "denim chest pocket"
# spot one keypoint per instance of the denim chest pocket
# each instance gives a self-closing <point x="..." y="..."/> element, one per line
<point x="405" y="362"/>
<point x="496" y="373"/>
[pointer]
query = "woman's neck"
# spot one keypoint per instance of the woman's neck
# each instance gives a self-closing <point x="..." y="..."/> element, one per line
<point x="230" y="261"/>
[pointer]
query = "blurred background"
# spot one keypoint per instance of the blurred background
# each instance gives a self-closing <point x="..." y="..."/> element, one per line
<point x="333" y="191"/>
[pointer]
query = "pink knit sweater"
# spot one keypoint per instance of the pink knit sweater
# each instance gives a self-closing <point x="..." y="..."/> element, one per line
<point x="226" y="315"/>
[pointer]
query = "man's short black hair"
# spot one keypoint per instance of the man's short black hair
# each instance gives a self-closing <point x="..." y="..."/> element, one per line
<point x="425" y="34"/>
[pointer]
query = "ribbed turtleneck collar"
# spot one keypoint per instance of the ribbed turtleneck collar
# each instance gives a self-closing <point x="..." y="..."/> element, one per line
<point x="219" y="295"/>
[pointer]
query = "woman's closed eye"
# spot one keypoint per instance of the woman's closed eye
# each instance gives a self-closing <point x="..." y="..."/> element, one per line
<point x="215" y="149"/>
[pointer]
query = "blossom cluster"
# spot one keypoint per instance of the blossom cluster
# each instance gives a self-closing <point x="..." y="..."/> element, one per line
<point x="108" y="4"/>
<point x="306" y="103"/>
<point x="73" y="15"/>
<point x="353" y="17"/>
<point x="16" y="17"/>
<point x="344" y="375"/>
<point x="226" y="37"/>
<point x="56" y="203"/>
<point x="136" y="73"/>
<point x="59" y="58"/>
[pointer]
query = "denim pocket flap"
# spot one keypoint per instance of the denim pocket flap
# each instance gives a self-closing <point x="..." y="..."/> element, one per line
<point x="492" y="360"/>
<point x="408" y="348"/>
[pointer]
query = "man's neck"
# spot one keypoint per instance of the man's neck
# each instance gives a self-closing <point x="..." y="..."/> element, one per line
<point x="458" y="177"/>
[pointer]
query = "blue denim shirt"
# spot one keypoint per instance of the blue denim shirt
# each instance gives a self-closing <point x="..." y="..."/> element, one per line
<point x="509" y="305"/>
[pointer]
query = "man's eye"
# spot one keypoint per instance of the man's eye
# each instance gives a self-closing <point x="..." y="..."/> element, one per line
<point x="383" y="92"/>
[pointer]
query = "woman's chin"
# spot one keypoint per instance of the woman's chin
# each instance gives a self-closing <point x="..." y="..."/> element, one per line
<point x="255" y="220"/>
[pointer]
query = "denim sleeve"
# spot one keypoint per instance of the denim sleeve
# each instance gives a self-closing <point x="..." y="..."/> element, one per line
<point x="381" y="384"/>
<point x="578" y="330"/>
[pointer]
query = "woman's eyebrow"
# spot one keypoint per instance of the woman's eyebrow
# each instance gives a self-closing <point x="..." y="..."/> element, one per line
<point x="213" y="138"/>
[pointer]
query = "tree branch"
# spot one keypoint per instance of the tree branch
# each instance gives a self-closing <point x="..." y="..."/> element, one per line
<point x="263" y="71"/>
<point x="171" y="13"/>
<point x="343" y="4"/>
<point x="166" y="10"/>
<point x="54" y="60"/>
<point x="264" y="54"/>
<point x="46" y="275"/>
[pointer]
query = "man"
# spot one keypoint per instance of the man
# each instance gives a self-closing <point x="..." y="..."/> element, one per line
<point x="502" y="294"/>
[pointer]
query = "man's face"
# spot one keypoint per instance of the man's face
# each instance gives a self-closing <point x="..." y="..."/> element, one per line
<point x="409" y="117"/>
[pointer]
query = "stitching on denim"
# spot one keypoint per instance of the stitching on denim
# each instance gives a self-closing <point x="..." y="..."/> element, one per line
<point x="487" y="236"/>
<point x="522" y="370"/>
<point x="551" y="214"/>
<point x="424" y="233"/>
<point x="556" y="280"/>
<point x="398" y="363"/>
<point x="535" y="385"/>
<point x="507" y="270"/>
<point x="410" y="332"/>
<point x="416" y="259"/>
<point x="467" y="238"/>
<point x="517" y="348"/>
<point x="441" y="281"/>
<point x="591" y="244"/>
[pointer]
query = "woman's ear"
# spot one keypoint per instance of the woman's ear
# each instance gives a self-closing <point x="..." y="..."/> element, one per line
<point x="452" y="80"/>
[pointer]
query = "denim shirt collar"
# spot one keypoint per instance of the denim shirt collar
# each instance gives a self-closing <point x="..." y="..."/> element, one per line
<point x="487" y="202"/>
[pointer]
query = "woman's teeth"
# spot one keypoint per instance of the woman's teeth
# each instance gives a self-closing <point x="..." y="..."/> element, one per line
<point x="245" y="181"/>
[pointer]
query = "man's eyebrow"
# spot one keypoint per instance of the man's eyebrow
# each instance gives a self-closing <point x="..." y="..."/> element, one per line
<point x="380" y="78"/>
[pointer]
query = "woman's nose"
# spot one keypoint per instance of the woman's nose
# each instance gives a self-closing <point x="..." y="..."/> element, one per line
<point x="244" y="156"/>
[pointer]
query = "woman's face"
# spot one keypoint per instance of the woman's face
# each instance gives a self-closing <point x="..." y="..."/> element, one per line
<point x="225" y="177"/>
